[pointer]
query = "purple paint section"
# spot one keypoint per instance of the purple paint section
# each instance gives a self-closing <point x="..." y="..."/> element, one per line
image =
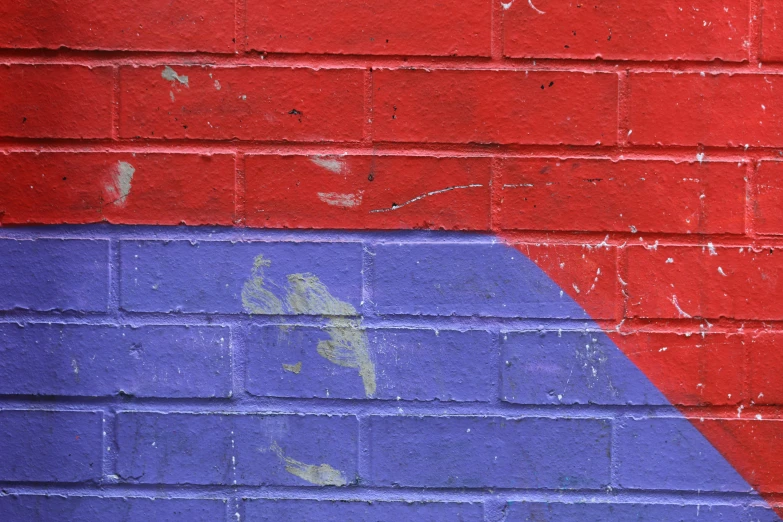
<point x="50" y="446"/>
<point x="218" y="449"/>
<point x="208" y="276"/>
<point x="87" y="360"/>
<point x="54" y="274"/>
<point x="557" y="512"/>
<point x="670" y="454"/>
<point x="95" y="509"/>
<point x="347" y="511"/>
<point x="487" y="280"/>
<point x="409" y="364"/>
<point x="483" y="452"/>
<point x="570" y="368"/>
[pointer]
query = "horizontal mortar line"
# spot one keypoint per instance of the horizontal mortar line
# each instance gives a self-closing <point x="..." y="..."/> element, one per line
<point x="380" y="494"/>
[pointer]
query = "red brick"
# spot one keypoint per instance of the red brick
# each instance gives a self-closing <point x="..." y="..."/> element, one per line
<point x="677" y="282"/>
<point x="249" y="103"/>
<point x="692" y="370"/>
<point x="769" y="198"/>
<point x="766" y="368"/>
<point x="771" y="31"/>
<point x="55" y="101"/>
<point x="380" y="192"/>
<point x="602" y="195"/>
<point x="424" y="27"/>
<point x="639" y="30"/>
<point x="713" y="109"/>
<point x="173" y="25"/>
<point x="587" y="274"/>
<point x="494" y="107"/>
<point x="62" y="187"/>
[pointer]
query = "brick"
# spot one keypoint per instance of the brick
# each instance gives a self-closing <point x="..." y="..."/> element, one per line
<point x="128" y="509"/>
<point x="669" y="454"/>
<point x="55" y="101"/>
<point x="54" y="274"/>
<point x="359" y="192"/>
<point x="132" y="25"/>
<point x="410" y="364"/>
<point x="91" y="361"/>
<point x="133" y="188"/>
<point x="592" y="512"/>
<point x="603" y="195"/>
<point x="247" y="103"/>
<point x="50" y="446"/>
<point x="710" y="282"/>
<point x="489" y="452"/>
<point x="211" y="276"/>
<point x="184" y="448"/>
<point x="643" y="30"/>
<point x="768" y="198"/>
<point x="342" y="510"/>
<point x="766" y="366"/>
<point x="692" y="369"/>
<point x="713" y="110"/>
<point x="370" y="27"/>
<point x="570" y="368"/>
<point x="771" y="31"/>
<point x="483" y="106"/>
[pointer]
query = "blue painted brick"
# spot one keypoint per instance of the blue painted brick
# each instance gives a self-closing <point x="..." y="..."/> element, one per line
<point x="88" y="360"/>
<point x="557" y="512"/>
<point x="669" y="453"/>
<point x="357" y="511"/>
<point x="477" y="452"/>
<point x="96" y="509"/>
<point x="465" y="280"/>
<point x="411" y="364"/>
<point x="183" y="448"/>
<point x="209" y="276"/>
<point x="50" y="446"/>
<point x="54" y="274"/>
<point x="570" y="368"/>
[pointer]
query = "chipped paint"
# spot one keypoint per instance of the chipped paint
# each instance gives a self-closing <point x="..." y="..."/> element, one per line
<point x="255" y="298"/>
<point x="331" y="164"/>
<point x="172" y="76"/>
<point x="321" y="475"/>
<point x="120" y="187"/>
<point x="337" y="199"/>
<point x="293" y="368"/>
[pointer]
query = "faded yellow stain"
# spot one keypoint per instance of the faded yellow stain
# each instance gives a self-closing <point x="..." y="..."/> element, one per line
<point x="293" y="368"/>
<point x="255" y="298"/>
<point x="321" y="475"/>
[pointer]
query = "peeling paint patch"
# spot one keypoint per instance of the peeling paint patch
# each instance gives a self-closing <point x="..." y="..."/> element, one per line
<point x="293" y="368"/>
<point x="172" y="76"/>
<point x="120" y="187"/>
<point x="321" y="475"/>
<point x="331" y="164"/>
<point x="337" y="199"/>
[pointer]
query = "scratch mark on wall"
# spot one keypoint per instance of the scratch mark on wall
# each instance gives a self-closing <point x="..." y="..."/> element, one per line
<point x="337" y="199"/>
<point x="321" y="475"/>
<point x="428" y="194"/>
<point x="172" y="76"/>
<point x="255" y="298"/>
<point x="679" y="310"/>
<point x="120" y="186"/>
<point x="536" y="9"/>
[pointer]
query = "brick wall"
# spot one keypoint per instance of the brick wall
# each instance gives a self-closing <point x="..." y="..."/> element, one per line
<point x="391" y="260"/>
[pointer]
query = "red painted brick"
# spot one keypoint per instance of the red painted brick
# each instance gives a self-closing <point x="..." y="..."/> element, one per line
<point x="692" y="370"/>
<point x="713" y="109"/>
<point x="381" y="192"/>
<point x="494" y="107"/>
<point x="639" y="30"/>
<point x="55" y="101"/>
<point x="602" y="195"/>
<point x="769" y="198"/>
<point x="771" y="31"/>
<point x="766" y="368"/>
<point x="249" y="103"/>
<point x="58" y="187"/>
<point x="677" y="282"/>
<point x="425" y="27"/>
<point x="174" y="25"/>
<point x="588" y="275"/>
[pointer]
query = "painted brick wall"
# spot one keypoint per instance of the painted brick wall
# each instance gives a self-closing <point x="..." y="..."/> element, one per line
<point x="373" y="260"/>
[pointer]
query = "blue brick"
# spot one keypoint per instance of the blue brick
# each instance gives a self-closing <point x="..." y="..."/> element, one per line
<point x="209" y="276"/>
<point x="669" y="453"/>
<point x="88" y="360"/>
<point x="465" y="280"/>
<point x="96" y="509"/>
<point x="54" y="274"/>
<point x="183" y="448"/>
<point x="478" y="452"/>
<point x="50" y="446"/>
<point x="557" y="512"/>
<point x="570" y="368"/>
<point x="358" y="511"/>
<point x="411" y="364"/>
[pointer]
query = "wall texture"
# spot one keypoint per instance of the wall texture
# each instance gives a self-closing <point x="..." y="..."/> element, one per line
<point x="375" y="260"/>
